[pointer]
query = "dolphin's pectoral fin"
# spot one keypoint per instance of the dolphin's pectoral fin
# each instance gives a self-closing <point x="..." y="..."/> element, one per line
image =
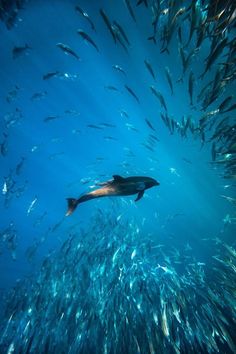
<point x="118" y="178"/>
<point x="139" y="196"/>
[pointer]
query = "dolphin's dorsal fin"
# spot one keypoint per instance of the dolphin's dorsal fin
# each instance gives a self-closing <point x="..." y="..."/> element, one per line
<point x="140" y="195"/>
<point x="118" y="178"/>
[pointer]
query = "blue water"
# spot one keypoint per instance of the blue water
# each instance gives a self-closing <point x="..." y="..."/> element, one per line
<point x="187" y="206"/>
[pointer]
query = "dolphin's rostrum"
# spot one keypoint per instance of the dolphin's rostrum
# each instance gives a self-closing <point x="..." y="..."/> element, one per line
<point x="118" y="186"/>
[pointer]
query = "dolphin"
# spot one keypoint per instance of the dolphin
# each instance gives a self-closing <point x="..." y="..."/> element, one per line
<point x="118" y="186"/>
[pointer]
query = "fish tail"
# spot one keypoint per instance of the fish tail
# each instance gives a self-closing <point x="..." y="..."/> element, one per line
<point x="72" y="204"/>
<point x="163" y="50"/>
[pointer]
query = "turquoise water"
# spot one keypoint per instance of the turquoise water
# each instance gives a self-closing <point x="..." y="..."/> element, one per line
<point x="80" y="127"/>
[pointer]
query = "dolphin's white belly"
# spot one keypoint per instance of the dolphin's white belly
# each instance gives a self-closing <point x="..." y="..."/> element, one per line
<point x="103" y="192"/>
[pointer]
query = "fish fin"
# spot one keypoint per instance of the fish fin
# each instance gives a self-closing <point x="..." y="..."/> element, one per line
<point x="140" y="195"/>
<point x="72" y="204"/>
<point x="118" y="178"/>
<point x="165" y="50"/>
<point x="152" y="38"/>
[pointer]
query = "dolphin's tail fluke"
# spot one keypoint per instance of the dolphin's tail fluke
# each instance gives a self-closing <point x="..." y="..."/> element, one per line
<point x="72" y="204"/>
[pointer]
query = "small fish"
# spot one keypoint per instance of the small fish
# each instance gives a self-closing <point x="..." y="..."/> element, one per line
<point x="185" y="124"/>
<point x="130" y="126"/>
<point x="153" y="137"/>
<point x="180" y="35"/>
<point x="31" y="207"/>
<point x="49" y="118"/>
<point x="152" y="38"/>
<point x="193" y="20"/>
<point x="56" y="140"/>
<point x="19" y="166"/>
<point x="19" y="51"/>
<point x="67" y="50"/>
<point x="50" y="75"/>
<point x="174" y="171"/>
<point x="133" y="254"/>
<point x="121" y="30"/>
<point x="225" y="103"/>
<point x="94" y="126"/>
<point x="145" y="2"/>
<point x="4" y="189"/>
<point x="201" y="34"/>
<point x="87" y="38"/>
<point x="11" y="96"/>
<point x="150" y="69"/>
<point x="39" y="220"/>
<point x="118" y="217"/>
<point x="232" y="147"/>
<point x="213" y="151"/>
<point x="108" y="24"/>
<point x="231" y="108"/>
<point x="85" y="180"/>
<point x="120" y="38"/>
<point x="3" y="146"/>
<point x="111" y="88"/>
<point x="190" y="86"/>
<point x="53" y="156"/>
<point x="118" y="68"/>
<point x="147" y="146"/>
<point x="38" y="95"/>
<point x="76" y="131"/>
<point x="34" y="148"/>
<point x="57" y="225"/>
<point x="168" y="76"/>
<point x="159" y="96"/>
<point x="73" y="112"/>
<point x="186" y="160"/>
<point x="110" y="138"/>
<point x="68" y="76"/>
<point x="156" y="12"/>
<point x="132" y="93"/>
<point x="117" y="251"/>
<point x="124" y="114"/>
<point x="214" y="55"/>
<point x="164" y="323"/>
<point x="108" y="125"/>
<point x="230" y="199"/>
<point x="186" y="60"/>
<point x="149" y="124"/>
<point x="130" y="9"/>
<point x="86" y="16"/>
